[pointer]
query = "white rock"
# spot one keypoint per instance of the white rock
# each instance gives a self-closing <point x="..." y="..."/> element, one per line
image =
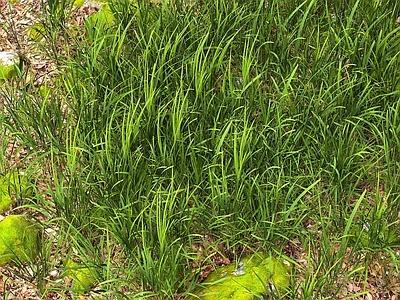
<point x="9" y="61"/>
<point x="9" y="58"/>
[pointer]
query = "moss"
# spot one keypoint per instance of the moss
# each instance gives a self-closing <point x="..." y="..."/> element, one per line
<point x="79" y="3"/>
<point x="82" y="276"/>
<point x="247" y="279"/>
<point x="36" y="32"/>
<point x="18" y="239"/>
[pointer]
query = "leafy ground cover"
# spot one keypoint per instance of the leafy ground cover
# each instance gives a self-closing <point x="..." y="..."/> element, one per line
<point x="174" y="138"/>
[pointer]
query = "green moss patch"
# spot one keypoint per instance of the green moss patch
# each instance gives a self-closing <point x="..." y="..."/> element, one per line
<point x="36" y="32"/>
<point x="83" y="277"/>
<point x="79" y="3"/>
<point x="18" y="239"/>
<point x="251" y="277"/>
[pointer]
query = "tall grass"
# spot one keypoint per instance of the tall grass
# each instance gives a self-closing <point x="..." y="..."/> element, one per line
<point x="240" y="125"/>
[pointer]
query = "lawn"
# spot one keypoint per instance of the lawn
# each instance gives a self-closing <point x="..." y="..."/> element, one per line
<point x="172" y="138"/>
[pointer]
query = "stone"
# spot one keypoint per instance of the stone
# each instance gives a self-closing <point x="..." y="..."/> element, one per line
<point x="247" y="279"/>
<point x="9" y="62"/>
<point x="19" y="239"/>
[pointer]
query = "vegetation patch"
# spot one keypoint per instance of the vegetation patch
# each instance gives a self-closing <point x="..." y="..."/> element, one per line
<point x="18" y="240"/>
<point x="170" y="138"/>
<point x="13" y="186"/>
<point x="36" y="32"/>
<point x="251" y="277"/>
<point x="103" y="19"/>
<point x="83" y="277"/>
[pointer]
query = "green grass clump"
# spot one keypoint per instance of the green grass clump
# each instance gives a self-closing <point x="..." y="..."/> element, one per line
<point x="5" y="198"/>
<point x="189" y="132"/>
<point x="13" y="186"/>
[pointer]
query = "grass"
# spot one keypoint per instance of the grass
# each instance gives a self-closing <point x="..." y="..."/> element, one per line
<point x="192" y="131"/>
